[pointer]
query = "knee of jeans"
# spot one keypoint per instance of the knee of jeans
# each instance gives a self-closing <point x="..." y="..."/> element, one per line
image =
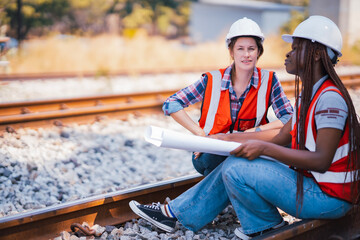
<point x="230" y="162"/>
<point x="230" y="165"/>
<point x="198" y="165"/>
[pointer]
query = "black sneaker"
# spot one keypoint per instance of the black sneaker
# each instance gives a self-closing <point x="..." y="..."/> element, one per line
<point x="153" y="214"/>
<point x="240" y="234"/>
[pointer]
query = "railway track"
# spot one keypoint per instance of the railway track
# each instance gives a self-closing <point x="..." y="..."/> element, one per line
<point x="87" y="109"/>
<point x="113" y="209"/>
<point x="107" y="209"/>
<point x="84" y="109"/>
<point x="64" y="75"/>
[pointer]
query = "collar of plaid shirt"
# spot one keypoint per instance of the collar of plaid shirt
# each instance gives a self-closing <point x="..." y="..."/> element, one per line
<point x="226" y="80"/>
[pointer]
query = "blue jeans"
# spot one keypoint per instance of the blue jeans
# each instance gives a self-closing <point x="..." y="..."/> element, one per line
<point x="207" y="162"/>
<point x="255" y="188"/>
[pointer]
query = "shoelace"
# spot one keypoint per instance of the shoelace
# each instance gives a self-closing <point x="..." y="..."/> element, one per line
<point x="154" y="205"/>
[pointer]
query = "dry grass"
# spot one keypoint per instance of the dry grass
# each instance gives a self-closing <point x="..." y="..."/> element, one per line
<point x="109" y="53"/>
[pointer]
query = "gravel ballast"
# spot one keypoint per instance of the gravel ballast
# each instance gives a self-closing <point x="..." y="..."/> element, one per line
<point x="48" y="166"/>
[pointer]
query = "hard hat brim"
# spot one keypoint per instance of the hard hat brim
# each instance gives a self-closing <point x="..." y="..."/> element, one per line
<point x="288" y="38"/>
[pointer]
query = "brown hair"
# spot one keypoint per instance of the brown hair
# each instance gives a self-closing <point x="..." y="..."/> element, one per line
<point x="352" y="120"/>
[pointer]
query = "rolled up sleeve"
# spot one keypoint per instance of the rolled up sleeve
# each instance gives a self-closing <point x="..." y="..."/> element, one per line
<point x="185" y="97"/>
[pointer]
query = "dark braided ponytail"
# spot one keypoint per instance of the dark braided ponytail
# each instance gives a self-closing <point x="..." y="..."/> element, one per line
<point x="305" y="100"/>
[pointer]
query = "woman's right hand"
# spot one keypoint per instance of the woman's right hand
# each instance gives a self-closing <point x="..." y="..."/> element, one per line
<point x="200" y="133"/>
<point x="197" y="155"/>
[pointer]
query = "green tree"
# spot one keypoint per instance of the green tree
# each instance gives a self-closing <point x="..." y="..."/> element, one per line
<point x="161" y="17"/>
<point x="4" y="18"/>
<point x="88" y="16"/>
<point x="164" y="17"/>
<point x="34" y="14"/>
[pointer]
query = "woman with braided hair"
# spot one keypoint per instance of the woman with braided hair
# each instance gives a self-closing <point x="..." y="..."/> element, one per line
<point x="322" y="181"/>
<point x="316" y="51"/>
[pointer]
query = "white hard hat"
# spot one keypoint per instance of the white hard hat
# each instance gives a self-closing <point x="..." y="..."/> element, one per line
<point x="319" y="29"/>
<point x="244" y="27"/>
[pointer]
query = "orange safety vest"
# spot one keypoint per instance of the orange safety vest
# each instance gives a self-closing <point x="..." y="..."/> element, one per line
<point x="216" y="108"/>
<point x="336" y="181"/>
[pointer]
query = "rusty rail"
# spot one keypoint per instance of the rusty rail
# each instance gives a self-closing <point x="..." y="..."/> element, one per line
<point x="86" y="109"/>
<point x="113" y="209"/>
<point x="56" y="75"/>
<point x="107" y="209"/>
<point x="83" y="109"/>
<point x="90" y="74"/>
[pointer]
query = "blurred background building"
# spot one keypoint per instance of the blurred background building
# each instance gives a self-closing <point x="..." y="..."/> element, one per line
<point x="211" y="19"/>
<point x="345" y="13"/>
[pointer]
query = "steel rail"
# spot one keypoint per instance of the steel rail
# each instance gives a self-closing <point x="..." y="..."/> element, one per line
<point x="85" y="109"/>
<point x="344" y="228"/>
<point x="92" y="74"/>
<point x="82" y="109"/>
<point x="106" y="209"/>
<point x="23" y="107"/>
<point x="57" y="75"/>
<point x="113" y="209"/>
<point x="35" y="106"/>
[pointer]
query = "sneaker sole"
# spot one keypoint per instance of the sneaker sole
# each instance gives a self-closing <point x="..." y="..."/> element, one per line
<point x="246" y="237"/>
<point x="241" y="235"/>
<point x="136" y="210"/>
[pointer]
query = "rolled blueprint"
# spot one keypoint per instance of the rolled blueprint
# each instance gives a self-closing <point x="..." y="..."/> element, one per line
<point x="171" y="139"/>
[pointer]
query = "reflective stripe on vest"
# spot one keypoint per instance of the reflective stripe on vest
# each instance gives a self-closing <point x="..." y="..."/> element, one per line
<point x="310" y="144"/>
<point x="211" y="107"/>
<point x="335" y="181"/>
<point x="333" y="177"/>
<point x="261" y="97"/>
<point x="214" y="101"/>
<point x="310" y="139"/>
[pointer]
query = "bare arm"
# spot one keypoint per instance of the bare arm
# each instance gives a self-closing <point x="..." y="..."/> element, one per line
<point x="184" y="120"/>
<point x="271" y="125"/>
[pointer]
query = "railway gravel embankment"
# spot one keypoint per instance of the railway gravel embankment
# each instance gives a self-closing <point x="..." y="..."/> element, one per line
<point x="44" y="167"/>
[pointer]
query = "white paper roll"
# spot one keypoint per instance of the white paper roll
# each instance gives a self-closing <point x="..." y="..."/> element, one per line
<point x="171" y="139"/>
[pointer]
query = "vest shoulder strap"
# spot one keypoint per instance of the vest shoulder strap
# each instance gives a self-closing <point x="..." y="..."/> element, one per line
<point x="264" y="87"/>
<point x="214" y="100"/>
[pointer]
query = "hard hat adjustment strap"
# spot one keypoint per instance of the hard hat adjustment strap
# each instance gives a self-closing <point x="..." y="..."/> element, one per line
<point x="332" y="55"/>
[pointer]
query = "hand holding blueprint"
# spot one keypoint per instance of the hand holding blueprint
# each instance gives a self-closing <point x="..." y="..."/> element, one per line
<point x="171" y="139"/>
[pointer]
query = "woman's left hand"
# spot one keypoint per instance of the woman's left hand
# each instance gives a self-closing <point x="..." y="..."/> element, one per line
<point x="249" y="149"/>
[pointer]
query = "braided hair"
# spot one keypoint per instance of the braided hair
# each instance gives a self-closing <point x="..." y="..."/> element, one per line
<point x="353" y="164"/>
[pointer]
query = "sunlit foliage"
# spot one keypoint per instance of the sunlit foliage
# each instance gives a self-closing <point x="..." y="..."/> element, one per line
<point x="88" y="17"/>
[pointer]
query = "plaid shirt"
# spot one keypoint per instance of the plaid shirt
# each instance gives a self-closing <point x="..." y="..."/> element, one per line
<point x="195" y="93"/>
